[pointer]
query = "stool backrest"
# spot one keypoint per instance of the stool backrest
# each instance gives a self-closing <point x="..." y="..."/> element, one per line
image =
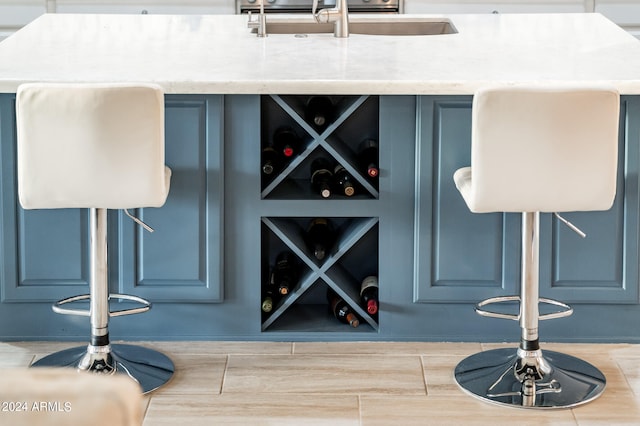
<point x="548" y="149"/>
<point x="90" y="146"/>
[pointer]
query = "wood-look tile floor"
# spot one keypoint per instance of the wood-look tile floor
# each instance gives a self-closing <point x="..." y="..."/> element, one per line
<point x="344" y="383"/>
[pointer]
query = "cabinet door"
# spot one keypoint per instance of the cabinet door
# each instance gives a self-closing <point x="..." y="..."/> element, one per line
<point x="462" y="256"/>
<point x="182" y="260"/>
<point x="45" y="252"/>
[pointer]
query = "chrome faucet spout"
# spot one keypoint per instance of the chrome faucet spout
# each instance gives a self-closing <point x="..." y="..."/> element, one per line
<point x="339" y="15"/>
<point x="261" y="23"/>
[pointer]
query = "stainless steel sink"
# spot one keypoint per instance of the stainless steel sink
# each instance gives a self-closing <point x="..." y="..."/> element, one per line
<point x="399" y="28"/>
<point x="394" y="27"/>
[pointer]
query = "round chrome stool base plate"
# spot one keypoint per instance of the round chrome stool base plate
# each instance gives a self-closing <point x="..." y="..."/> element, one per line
<point x="151" y="369"/>
<point x="504" y="377"/>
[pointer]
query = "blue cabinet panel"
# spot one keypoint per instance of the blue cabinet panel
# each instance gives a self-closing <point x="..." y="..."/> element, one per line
<point x="60" y="238"/>
<point x="463" y="257"/>
<point x="182" y="261"/>
<point x="45" y="252"/>
<point x="602" y="268"/>
<point x="460" y="256"/>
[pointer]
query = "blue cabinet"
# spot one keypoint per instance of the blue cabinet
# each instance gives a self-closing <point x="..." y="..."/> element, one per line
<point x="183" y="260"/>
<point x="462" y="256"/>
<point x="45" y="252"/>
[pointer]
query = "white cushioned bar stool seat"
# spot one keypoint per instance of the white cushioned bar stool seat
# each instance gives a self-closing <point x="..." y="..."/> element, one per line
<point x="95" y="146"/>
<point x="63" y="397"/>
<point x="539" y="148"/>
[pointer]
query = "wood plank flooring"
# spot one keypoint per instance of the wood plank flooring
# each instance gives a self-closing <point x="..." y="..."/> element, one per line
<point x="351" y="383"/>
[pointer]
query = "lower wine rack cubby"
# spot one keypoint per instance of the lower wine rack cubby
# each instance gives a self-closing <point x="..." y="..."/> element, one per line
<point x="350" y="257"/>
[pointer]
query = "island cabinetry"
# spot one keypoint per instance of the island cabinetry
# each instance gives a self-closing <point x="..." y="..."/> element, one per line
<point x="462" y="256"/>
<point x="45" y="252"/>
<point x="224" y="225"/>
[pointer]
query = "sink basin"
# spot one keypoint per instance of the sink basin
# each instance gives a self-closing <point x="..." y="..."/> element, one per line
<point x="380" y="27"/>
<point x="399" y="28"/>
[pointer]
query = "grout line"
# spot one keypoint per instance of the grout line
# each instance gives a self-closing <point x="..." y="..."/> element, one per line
<point x="424" y="376"/>
<point x="359" y="409"/>
<point x="624" y="375"/>
<point x="146" y="407"/>
<point x="224" y="375"/>
<point x="573" y="414"/>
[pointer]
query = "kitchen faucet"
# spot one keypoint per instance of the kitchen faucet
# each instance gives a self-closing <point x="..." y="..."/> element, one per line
<point x="261" y="23"/>
<point x="339" y="15"/>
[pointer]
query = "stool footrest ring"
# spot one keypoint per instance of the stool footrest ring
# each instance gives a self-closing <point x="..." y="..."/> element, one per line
<point x="57" y="306"/>
<point x="565" y="311"/>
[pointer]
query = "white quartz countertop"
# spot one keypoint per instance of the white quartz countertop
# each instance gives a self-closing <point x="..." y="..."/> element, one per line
<point x="219" y="54"/>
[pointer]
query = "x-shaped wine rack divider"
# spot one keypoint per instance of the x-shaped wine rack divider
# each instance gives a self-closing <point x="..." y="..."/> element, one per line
<point x="289" y="234"/>
<point x="319" y="139"/>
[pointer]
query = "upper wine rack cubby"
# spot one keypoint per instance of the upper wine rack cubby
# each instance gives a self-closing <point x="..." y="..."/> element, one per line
<point x="306" y="139"/>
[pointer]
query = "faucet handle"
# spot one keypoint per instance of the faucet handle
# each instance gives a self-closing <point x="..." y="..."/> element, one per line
<point x="314" y="7"/>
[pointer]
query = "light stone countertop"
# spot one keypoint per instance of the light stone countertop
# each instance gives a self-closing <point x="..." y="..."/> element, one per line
<point x="219" y="54"/>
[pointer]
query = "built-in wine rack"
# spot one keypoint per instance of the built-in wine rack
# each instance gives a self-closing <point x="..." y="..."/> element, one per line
<point x="354" y="255"/>
<point x="356" y="119"/>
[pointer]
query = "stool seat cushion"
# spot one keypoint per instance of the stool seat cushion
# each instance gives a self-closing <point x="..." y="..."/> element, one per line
<point x="542" y="148"/>
<point x="91" y="146"/>
<point x="63" y="396"/>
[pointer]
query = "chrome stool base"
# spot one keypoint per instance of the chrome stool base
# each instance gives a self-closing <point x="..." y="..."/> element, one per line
<point x="529" y="379"/>
<point x="151" y="369"/>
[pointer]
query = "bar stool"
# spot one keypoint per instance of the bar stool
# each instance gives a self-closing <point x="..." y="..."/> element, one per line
<point x="537" y="149"/>
<point x="95" y="146"/>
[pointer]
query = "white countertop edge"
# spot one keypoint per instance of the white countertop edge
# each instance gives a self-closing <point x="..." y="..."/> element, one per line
<point x="448" y="88"/>
<point x="216" y="54"/>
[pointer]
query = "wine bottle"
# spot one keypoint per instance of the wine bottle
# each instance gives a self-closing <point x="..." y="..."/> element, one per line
<point x="343" y="180"/>
<point x="341" y="310"/>
<point x="368" y="157"/>
<point x="319" y="111"/>
<point x="320" y="237"/>
<point x="269" y="291"/>
<point x="369" y="294"/>
<point x="285" y="272"/>
<point x="286" y="142"/>
<point x="270" y="160"/>
<point x="321" y="176"/>
<point x="269" y="299"/>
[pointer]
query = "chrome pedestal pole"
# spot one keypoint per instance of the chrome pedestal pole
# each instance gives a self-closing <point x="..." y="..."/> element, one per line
<point x="151" y="369"/>
<point x="526" y="377"/>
